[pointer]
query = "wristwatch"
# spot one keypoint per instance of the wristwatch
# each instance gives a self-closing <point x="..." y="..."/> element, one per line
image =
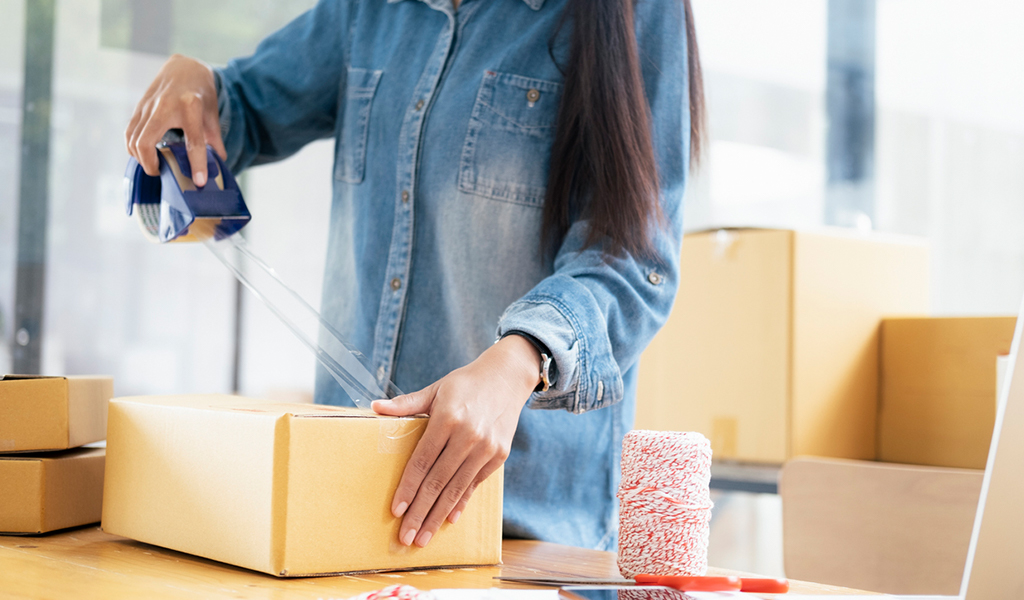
<point x="548" y="367"/>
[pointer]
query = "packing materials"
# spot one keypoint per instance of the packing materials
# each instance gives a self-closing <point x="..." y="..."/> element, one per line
<point x="898" y="529"/>
<point x="287" y="489"/>
<point x="771" y="349"/>
<point x="49" y="491"/>
<point x="52" y="413"/>
<point x="937" y="398"/>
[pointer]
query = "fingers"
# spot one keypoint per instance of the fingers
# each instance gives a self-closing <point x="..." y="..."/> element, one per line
<point x="138" y="123"/>
<point x="145" y="145"/>
<point x="441" y="490"/>
<point x="182" y="95"/>
<point x="415" y="403"/>
<point x="133" y="124"/>
<point x="427" y="451"/>
<point x="195" y="138"/>
<point x="487" y="471"/>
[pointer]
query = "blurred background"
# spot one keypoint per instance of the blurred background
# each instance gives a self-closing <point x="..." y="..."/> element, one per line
<point x="900" y="116"/>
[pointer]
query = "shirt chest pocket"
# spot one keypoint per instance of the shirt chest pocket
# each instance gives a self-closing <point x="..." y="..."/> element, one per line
<point x="360" y="87"/>
<point x="507" y="150"/>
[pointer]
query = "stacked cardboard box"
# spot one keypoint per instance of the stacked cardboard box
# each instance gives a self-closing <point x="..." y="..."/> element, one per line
<point x="47" y="480"/>
<point x="937" y="392"/>
<point x="771" y="349"/>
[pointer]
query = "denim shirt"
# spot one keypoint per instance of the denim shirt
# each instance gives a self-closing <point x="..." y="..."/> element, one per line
<point x="443" y="122"/>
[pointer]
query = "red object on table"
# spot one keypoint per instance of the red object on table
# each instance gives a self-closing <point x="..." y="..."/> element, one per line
<point x="765" y="586"/>
<point x="716" y="584"/>
<point x="691" y="584"/>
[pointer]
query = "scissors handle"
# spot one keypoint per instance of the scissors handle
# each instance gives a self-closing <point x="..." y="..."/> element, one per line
<point x="716" y="584"/>
<point x="692" y="584"/>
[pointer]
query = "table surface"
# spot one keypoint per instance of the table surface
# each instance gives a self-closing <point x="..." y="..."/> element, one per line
<point x="88" y="563"/>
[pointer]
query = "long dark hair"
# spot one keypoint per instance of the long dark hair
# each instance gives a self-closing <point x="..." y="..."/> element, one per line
<point x="602" y="159"/>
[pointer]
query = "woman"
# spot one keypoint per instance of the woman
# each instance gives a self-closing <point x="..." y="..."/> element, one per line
<point x="505" y="225"/>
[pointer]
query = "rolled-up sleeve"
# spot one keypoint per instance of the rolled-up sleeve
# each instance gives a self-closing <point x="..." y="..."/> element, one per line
<point x="286" y="94"/>
<point x="597" y="313"/>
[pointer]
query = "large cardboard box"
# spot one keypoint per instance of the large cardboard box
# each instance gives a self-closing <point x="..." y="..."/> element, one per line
<point x="937" y="399"/>
<point x="771" y="349"/>
<point x="55" y="490"/>
<point x="52" y="413"/>
<point x="287" y="489"/>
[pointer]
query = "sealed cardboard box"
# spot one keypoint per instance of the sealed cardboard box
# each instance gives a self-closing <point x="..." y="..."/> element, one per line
<point x="771" y="349"/>
<point x="52" y="413"/>
<point x="287" y="489"/>
<point x="55" y="490"/>
<point x="937" y="399"/>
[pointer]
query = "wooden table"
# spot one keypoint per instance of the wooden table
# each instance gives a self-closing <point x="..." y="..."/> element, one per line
<point x="88" y="563"/>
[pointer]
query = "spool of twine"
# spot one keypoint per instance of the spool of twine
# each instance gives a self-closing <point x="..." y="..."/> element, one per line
<point x="664" y="503"/>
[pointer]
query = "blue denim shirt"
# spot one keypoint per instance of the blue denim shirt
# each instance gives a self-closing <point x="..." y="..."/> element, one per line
<point x="442" y="155"/>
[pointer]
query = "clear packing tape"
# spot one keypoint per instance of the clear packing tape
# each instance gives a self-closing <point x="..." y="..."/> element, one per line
<point x="169" y="208"/>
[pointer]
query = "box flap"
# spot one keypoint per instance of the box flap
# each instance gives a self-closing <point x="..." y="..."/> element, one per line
<point x="844" y="232"/>
<point x="225" y="402"/>
<point x="10" y="377"/>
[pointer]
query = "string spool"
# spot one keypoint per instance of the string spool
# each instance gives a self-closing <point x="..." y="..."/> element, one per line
<point x="664" y="503"/>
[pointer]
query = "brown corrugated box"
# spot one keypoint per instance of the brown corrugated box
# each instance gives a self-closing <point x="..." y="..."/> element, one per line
<point x="771" y="349"/>
<point x="898" y="529"/>
<point x="937" y="398"/>
<point x="55" y="490"/>
<point x="287" y="489"/>
<point x="52" y="413"/>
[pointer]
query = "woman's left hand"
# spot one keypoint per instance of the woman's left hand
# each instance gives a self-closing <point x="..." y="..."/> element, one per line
<point x="473" y="416"/>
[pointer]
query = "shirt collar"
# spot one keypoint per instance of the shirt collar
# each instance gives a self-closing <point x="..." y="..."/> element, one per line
<point x="534" y="4"/>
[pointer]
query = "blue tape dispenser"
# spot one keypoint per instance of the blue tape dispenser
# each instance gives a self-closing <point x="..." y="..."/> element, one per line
<point x="170" y="208"/>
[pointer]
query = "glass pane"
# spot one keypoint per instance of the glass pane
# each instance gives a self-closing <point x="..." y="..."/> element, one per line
<point x="764" y="77"/>
<point x="160" y="319"/>
<point x="950" y="138"/>
<point x="12" y="43"/>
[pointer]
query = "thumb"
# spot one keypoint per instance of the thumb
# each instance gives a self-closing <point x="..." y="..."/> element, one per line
<point x="407" y="404"/>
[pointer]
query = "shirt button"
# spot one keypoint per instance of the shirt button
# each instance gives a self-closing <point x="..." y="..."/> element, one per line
<point x="419" y="104"/>
<point x="533" y="95"/>
<point x="654" y="278"/>
<point x="405" y="195"/>
<point x="396" y="283"/>
<point x="380" y="373"/>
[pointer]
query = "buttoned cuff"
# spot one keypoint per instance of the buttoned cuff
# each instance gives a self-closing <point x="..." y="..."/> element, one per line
<point x="563" y="315"/>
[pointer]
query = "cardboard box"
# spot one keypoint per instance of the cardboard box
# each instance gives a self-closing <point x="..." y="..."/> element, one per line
<point x="287" y="489"/>
<point x="771" y="349"/>
<point x="45" y="492"/>
<point x="52" y="413"/>
<point x="898" y="529"/>
<point x="937" y="399"/>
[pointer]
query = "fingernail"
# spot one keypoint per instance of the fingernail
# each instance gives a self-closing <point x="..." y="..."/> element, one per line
<point x="424" y="539"/>
<point x="200" y="179"/>
<point x="409" y="537"/>
<point x="400" y="509"/>
<point x="454" y="518"/>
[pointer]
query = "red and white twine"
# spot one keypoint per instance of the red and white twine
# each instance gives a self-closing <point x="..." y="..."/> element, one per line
<point x="664" y="503"/>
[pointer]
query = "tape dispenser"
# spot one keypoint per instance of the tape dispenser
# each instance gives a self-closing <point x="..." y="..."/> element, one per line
<point x="170" y="208"/>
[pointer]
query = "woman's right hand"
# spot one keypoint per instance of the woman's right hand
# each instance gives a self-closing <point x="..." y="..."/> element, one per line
<point x="183" y="96"/>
